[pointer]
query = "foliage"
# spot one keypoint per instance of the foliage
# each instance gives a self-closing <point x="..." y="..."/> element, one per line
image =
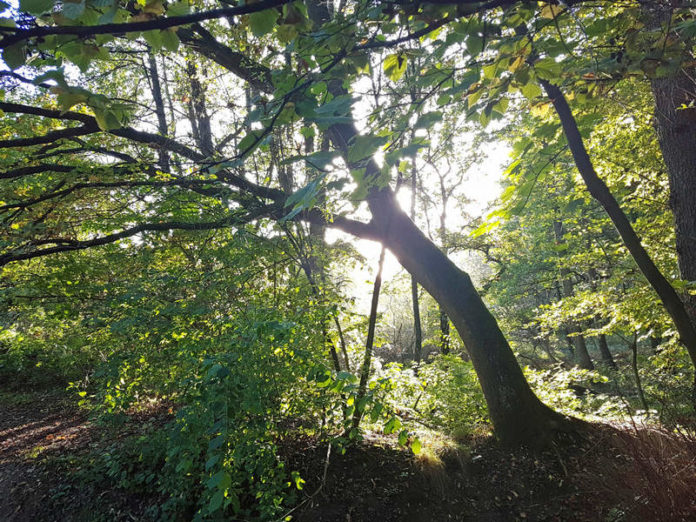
<point x="168" y="171"/>
<point x="443" y="394"/>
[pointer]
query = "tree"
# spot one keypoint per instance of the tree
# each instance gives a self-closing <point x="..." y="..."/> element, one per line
<point x="517" y="414"/>
<point x="673" y="87"/>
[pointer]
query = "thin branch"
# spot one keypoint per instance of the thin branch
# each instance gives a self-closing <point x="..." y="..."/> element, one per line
<point x="19" y="35"/>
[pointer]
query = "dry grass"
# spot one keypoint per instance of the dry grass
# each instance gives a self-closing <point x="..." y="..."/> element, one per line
<point x="650" y="471"/>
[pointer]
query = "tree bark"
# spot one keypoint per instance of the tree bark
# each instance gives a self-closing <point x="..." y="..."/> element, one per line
<point x="675" y="124"/>
<point x="417" y="331"/>
<point x="369" y="343"/>
<point x="599" y="190"/>
<point x="607" y="357"/>
<point x="518" y="416"/>
<point x="159" y="109"/>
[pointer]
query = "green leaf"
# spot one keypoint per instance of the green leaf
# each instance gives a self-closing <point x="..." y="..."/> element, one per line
<point x="216" y="501"/>
<point x="416" y="446"/>
<point x="489" y="71"/>
<point x="362" y="403"/>
<point x="403" y="437"/>
<point x="154" y="38"/>
<point x="395" y="66"/>
<point x="474" y="44"/>
<point x="170" y="41"/>
<point x="15" y="55"/>
<point x="428" y="119"/>
<point x="345" y="376"/>
<point x="73" y="10"/>
<point x="221" y="480"/>
<point x="70" y="98"/>
<point x="392" y="425"/>
<point x="106" y="119"/>
<point x="35" y="7"/>
<point x="303" y="198"/>
<point x="211" y="462"/>
<point x="263" y="22"/>
<point x="531" y="90"/>
<point x="179" y="8"/>
<point x="364" y="147"/>
<point x="57" y="75"/>
<point x="485" y="116"/>
<point x="297" y="479"/>
<point x="548" y="68"/>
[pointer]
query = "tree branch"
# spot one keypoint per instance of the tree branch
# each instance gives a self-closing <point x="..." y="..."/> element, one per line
<point x="135" y="27"/>
<point x="69" y="245"/>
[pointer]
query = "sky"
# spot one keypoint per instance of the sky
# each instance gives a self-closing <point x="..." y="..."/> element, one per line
<point x="482" y="188"/>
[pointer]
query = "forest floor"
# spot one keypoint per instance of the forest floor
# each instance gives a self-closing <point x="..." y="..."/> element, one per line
<point x="45" y="440"/>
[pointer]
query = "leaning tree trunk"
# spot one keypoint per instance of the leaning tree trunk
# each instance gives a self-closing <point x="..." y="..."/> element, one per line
<point x="599" y="190"/>
<point x="518" y="415"/>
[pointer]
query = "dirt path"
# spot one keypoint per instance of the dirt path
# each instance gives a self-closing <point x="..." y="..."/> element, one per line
<point x="33" y="425"/>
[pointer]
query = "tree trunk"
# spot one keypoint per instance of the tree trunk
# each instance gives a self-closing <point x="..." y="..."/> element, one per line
<point x="636" y="375"/>
<point x="607" y="357"/>
<point x="599" y="190"/>
<point x="518" y="416"/>
<point x="417" y="331"/>
<point x="676" y="131"/>
<point x="200" y="120"/>
<point x="444" y="331"/>
<point x="159" y="109"/>
<point x="444" y="320"/>
<point x="583" y="356"/>
<point x="675" y="123"/>
<point x="369" y="343"/>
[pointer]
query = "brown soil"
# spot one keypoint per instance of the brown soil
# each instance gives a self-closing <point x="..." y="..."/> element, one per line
<point x="609" y="476"/>
<point x="43" y="437"/>
<point x="378" y="482"/>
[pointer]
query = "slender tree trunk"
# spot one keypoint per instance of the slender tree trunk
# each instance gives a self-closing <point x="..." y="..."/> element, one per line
<point x="159" y="108"/>
<point x="578" y="340"/>
<point x="417" y="331"/>
<point x="342" y="340"/>
<point x="369" y="343"/>
<point x="599" y="190"/>
<point x="636" y="375"/>
<point x="199" y="111"/>
<point x="444" y="320"/>
<point x="607" y="357"/>
<point x="444" y="331"/>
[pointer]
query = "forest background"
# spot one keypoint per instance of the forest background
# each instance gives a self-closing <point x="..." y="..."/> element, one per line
<point x="192" y="194"/>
